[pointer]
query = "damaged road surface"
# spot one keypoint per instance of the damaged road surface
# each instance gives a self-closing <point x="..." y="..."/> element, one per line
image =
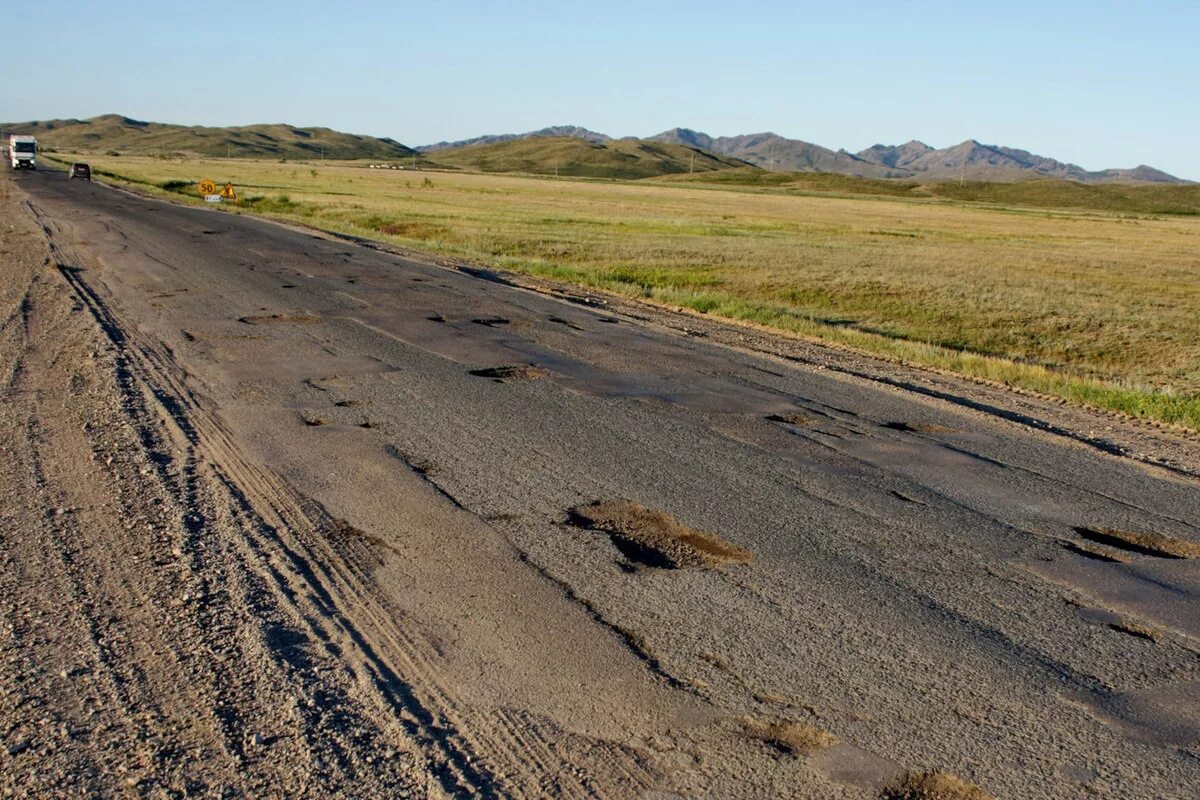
<point x="286" y="516"/>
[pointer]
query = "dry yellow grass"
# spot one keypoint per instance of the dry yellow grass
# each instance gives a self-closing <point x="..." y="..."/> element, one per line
<point x="933" y="786"/>
<point x="789" y="736"/>
<point x="1096" y="307"/>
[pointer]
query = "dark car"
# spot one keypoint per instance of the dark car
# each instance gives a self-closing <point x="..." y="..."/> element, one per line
<point x="80" y="171"/>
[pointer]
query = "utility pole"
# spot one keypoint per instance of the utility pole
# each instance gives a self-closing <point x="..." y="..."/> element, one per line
<point x="692" y="163"/>
<point x="556" y="167"/>
<point x="414" y="160"/>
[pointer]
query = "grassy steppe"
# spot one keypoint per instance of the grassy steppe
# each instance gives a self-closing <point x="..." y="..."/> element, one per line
<point x="1091" y="306"/>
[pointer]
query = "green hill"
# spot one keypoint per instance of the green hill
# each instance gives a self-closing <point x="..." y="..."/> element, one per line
<point x="125" y="135"/>
<point x="626" y="159"/>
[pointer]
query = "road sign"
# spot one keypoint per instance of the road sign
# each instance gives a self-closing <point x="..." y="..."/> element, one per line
<point x="207" y="187"/>
<point x="212" y="198"/>
<point x="228" y="193"/>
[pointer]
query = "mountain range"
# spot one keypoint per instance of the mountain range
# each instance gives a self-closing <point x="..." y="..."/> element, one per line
<point x="970" y="160"/>
<point x="573" y="150"/>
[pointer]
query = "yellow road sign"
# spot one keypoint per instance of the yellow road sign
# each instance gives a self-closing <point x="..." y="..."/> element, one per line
<point x="228" y="193"/>
<point x="207" y="187"/>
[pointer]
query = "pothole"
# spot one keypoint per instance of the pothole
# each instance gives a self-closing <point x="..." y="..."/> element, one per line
<point x="1145" y="543"/>
<point x="279" y="319"/>
<point x="792" y="418"/>
<point x="917" y="427"/>
<point x="1136" y="629"/>
<point x="566" y="322"/>
<point x="654" y="538"/>
<point x="1096" y="553"/>
<point x="492" y="322"/>
<point x="511" y="372"/>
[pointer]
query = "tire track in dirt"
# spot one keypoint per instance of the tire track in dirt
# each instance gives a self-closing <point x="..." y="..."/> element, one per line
<point x="158" y="688"/>
<point x="286" y="546"/>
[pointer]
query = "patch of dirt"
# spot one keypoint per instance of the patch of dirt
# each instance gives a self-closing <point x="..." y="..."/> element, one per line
<point x="933" y="786"/>
<point x="1145" y="543"/>
<point x="511" y="372"/>
<point x="795" y="738"/>
<point x="314" y="421"/>
<point x="655" y="538"/>
<point x="342" y="529"/>
<point x="414" y="230"/>
<point x="279" y="319"/>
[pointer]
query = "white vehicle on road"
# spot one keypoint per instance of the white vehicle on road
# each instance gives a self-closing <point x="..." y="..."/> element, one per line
<point x="22" y="151"/>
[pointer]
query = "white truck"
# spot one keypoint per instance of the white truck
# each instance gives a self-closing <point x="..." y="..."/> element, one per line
<point x="22" y="151"/>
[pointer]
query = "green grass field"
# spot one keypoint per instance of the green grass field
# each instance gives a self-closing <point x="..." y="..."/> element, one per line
<point x="1094" y="306"/>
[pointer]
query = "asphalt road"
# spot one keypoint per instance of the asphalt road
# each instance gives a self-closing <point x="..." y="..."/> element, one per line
<point x="924" y="584"/>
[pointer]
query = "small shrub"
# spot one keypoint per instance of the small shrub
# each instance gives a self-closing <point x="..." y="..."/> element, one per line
<point x="795" y="738"/>
<point x="933" y="786"/>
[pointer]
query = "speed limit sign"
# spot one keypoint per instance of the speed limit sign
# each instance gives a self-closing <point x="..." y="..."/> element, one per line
<point x="207" y="187"/>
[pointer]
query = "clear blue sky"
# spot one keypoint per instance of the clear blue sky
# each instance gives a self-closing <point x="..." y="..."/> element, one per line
<point x="1102" y="84"/>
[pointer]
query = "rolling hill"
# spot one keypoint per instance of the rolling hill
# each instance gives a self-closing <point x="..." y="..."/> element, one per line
<point x="567" y="155"/>
<point x="125" y="135"/>
<point x="555" y="130"/>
